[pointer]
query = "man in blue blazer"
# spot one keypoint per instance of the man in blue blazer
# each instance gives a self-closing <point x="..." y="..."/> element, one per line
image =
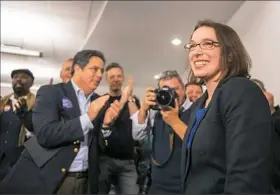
<point x="63" y="156"/>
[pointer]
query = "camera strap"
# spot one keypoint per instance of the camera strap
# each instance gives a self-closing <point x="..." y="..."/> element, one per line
<point x="171" y="144"/>
<point x="171" y="147"/>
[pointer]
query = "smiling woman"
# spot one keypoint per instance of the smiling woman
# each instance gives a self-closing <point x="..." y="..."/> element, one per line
<point x="221" y="150"/>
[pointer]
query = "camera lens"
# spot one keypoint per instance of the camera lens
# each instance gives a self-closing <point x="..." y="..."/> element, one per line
<point x="163" y="98"/>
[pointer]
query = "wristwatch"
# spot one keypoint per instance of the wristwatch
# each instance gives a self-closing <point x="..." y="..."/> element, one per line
<point x="131" y="99"/>
<point x="106" y="128"/>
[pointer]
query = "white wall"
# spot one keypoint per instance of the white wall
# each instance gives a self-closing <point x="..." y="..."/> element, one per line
<point x="258" y="24"/>
<point x="7" y="89"/>
<point x="42" y="68"/>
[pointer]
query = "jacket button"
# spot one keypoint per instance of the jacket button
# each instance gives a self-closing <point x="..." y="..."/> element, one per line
<point x="63" y="170"/>
<point x="76" y="150"/>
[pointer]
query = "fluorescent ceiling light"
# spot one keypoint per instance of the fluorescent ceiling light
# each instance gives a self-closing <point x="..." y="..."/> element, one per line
<point x="19" y="51"/>
<point x="176" y="41"/>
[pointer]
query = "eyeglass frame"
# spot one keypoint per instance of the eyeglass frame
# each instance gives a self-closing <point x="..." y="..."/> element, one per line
<point x="213" y="44"/>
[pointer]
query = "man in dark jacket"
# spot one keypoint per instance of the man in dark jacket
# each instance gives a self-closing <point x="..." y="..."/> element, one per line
<point x="63" y="157"/>
<point x="275" y="113"/>
<point x="15" y="119"/>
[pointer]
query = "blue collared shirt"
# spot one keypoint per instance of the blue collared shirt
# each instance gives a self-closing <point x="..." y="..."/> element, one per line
<point x="198" y="117"/>
<point x="80" y="163"/>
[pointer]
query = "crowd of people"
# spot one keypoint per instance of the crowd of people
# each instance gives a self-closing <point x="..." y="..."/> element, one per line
<point x="180" y="139"/>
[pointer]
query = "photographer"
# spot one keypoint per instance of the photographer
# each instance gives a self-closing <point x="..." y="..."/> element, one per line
<point x="164" y="120"/>
<point x="15" y="119"/>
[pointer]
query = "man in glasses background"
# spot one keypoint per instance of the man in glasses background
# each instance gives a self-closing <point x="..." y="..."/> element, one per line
<point x="166" y="144"/>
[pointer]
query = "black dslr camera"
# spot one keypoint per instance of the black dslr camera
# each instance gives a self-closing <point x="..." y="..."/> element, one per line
<point x="165" y="97"/>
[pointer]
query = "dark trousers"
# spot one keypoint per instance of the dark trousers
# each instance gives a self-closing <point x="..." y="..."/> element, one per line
<point x="74" y="183"/>
<point x="121" y="173"/>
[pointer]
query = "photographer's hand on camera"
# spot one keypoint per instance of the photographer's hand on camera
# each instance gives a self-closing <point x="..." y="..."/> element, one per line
<point x="171" y="117"/>
<point x="96" y="106"/>
<point x="149" y="100"/>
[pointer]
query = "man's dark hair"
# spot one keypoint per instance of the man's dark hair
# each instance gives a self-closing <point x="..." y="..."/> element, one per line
<point x="194" y="83"/>
<point x="113" y="65"/>
<point x="82" y="58"/>
<point x="259" y="83"/>
<point x="235" y="60"/>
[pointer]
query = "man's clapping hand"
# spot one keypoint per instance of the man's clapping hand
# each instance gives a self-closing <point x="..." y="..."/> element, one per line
<point x="96" y="106"/>
<point x="112" y="113"/>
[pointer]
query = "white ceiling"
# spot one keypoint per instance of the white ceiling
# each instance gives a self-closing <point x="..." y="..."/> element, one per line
<point x="56" y="28"/>
<point x="138" y="34"/>
<point x="135" y="34"/>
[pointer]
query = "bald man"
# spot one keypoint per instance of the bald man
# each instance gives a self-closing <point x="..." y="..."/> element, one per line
<point x="65" y="73"/>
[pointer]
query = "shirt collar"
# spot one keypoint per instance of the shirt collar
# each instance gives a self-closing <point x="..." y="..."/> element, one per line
<point x="78" y="90"/>
<point x="187" y="104"/>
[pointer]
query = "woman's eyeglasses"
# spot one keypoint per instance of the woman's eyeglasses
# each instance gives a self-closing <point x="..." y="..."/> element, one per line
<point x="205" y="45"/>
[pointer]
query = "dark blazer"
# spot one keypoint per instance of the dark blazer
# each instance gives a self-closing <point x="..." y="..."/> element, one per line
<point x="47" y="157"/>
<point x="12" y="135"/>
<point x="27" y="120"/>
<point x="231" y="150"/>
<point x="276" y="149"/>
